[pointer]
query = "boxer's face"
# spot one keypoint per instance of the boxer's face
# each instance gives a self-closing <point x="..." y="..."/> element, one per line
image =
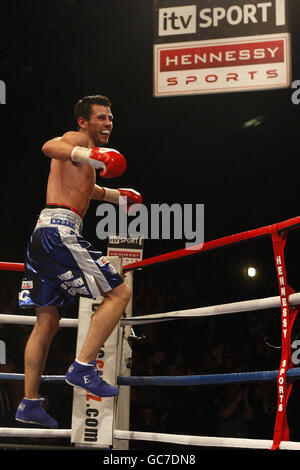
<point x="100" y="124"/>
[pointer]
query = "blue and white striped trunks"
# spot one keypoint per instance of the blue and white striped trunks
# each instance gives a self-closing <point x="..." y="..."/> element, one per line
<point x="60" y="265"/>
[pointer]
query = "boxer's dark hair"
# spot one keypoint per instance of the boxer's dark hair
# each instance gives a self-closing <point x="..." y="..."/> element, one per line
<point x="83" y="107"/>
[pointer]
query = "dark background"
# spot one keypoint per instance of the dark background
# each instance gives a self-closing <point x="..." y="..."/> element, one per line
<point x="191" y="149"/>
<point x="187" y="149"/>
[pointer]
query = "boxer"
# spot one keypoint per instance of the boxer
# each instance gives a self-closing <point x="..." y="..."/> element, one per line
<point x="61" y="265"/>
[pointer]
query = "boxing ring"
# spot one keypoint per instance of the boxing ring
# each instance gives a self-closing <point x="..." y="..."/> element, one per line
<point x="287" y="301"/>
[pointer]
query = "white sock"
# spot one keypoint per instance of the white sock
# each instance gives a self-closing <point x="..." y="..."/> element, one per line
<point x="83" y="363"/>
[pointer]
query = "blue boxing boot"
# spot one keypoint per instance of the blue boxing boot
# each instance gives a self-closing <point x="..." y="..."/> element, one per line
<point x="87" y="377"/>
<point x="31" y="411"/>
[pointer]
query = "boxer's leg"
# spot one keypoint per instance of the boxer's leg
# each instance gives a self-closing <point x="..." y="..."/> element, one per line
<point x="103" y="321"/>
<point x="83" y="372"/>
<point x="37" y="348"/>
<point x="30" y="410"/>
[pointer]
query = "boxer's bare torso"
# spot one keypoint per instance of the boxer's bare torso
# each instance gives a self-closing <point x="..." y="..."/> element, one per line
<point x="70" y="183"/>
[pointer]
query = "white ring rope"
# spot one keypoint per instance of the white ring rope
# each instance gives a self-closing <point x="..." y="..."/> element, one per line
<point x="222" y="309"/>
<point x="235" y="307"/>
<point x="34" y="432"/>
<point x="203" y="441"/>
<point x="30" y="320"/>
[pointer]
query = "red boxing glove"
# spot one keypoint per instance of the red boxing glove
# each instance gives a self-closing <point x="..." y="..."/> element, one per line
<point x="114" y="162"/>
<point x="133" y="197"/>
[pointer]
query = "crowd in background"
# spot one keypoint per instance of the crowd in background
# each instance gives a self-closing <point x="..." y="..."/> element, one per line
<point x="207" y="345"/>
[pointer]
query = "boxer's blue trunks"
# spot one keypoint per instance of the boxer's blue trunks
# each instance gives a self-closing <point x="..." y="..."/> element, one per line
<point x="60" y="265"/>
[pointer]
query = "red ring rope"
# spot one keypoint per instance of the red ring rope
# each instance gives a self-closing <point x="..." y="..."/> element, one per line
<point x="11" y="266"/>
<point x="225" y="241"/>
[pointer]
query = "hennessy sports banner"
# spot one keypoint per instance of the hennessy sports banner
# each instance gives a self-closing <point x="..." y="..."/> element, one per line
<point x="211" y="46"/>
<point x="129" y="249"/>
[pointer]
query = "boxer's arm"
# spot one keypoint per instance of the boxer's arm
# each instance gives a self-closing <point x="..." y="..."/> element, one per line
<point x="74" y="146"/>
<point x="61" y="148"/>
<point x="105" y="194"/>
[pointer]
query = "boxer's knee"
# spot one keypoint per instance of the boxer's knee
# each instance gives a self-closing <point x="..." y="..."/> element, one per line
<point x="47" y="322"/>
<point x="121" y="293"/>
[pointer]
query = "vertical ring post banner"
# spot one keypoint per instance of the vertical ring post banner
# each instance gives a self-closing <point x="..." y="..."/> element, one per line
<point x="129" y="250"/>
<point x="288" y="315"/>
<point x="93" y="417"/>
<point x="214" y="46"/>
<point x="124" y="359"/>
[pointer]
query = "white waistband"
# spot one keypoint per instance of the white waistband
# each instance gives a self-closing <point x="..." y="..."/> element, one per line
<point x="60" y="218"/>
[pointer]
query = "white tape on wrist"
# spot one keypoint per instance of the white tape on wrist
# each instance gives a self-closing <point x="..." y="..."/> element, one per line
<point x="80" y="154"/>
<point x="111" y="195"/>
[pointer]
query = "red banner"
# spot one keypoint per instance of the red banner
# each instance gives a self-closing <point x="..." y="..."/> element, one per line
<point x="222" y="55"/>
<point x="288" y="315"/>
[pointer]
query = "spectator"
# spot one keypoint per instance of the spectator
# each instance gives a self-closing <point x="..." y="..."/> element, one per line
<point x="264" y="403"/>
<point x="234" y="412"/>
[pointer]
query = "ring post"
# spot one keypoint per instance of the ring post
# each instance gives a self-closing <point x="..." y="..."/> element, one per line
<point x="124" y="354"/>
<point x="129" y="250"/>
<point x="92" y="417"/>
